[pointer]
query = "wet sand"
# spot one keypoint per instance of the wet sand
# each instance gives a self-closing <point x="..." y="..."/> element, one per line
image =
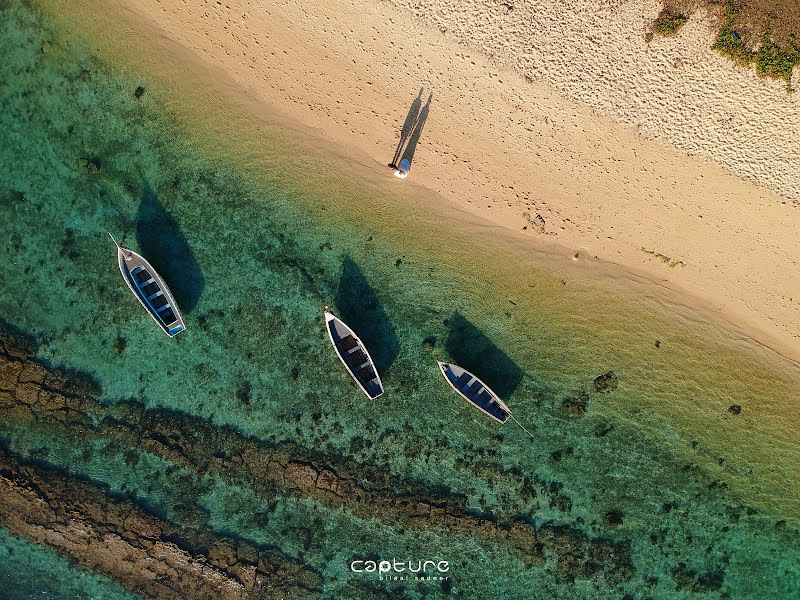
<point x="128" y="131"/>
<point x="512" y="149"/>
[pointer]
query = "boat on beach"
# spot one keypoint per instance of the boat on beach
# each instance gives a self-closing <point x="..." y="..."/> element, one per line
<point x="474" y="391"/>
<point x="151" y="290"/>
<point x="354" y="356"/>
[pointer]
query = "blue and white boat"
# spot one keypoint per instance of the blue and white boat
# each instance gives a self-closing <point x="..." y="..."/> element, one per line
<point x="150" y="289"/>
<point x="354" y="356"/>
<point x="474" y="391"/>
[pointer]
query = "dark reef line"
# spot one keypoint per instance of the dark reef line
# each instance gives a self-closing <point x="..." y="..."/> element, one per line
<point x="146" y="554"/>
<point x="56" y="400"/>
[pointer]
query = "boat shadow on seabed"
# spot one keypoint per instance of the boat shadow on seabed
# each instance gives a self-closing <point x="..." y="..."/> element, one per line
<point x="359" y="307"/>
<point x="471" y="349"/>
<point x="164" y="244"/>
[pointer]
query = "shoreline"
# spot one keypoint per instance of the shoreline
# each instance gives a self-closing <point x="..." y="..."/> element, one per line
<point x="718" y="287"/>
<point x="651" y="420"/>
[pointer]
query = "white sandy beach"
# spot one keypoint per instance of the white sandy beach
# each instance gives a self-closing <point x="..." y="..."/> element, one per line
<point x="663" y="156"/>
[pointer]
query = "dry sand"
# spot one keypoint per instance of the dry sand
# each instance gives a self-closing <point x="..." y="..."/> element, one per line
<point x="522" y="134"/>
<point x="675" y="89"/>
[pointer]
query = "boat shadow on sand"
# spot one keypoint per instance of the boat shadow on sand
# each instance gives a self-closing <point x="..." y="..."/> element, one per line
<point x="471" y="349"/>
<point x="165" y="246"/>
<point x="359" y="307"/>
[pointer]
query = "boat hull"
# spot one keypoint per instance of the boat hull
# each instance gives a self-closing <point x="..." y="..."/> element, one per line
<point x="475" y="392"/>
<point x="354" y="356"/>
<point x="128" y="262"/>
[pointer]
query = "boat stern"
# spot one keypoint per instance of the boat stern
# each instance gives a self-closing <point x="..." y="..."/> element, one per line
<point x="173" y="331"/>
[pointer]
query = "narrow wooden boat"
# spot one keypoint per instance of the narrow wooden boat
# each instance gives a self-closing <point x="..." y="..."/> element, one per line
<point x="354" y="356"/>
<point x="474" y="391"/>
<point x="150" y="289"/>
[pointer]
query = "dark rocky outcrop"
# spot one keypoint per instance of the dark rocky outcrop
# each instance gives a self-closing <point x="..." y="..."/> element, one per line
<point x="55" y="400"/>
<point x="575" y="405"/>
<point x="607" y="382"/>
<point x="145" y="553"/>
<point x="687" y="579"/>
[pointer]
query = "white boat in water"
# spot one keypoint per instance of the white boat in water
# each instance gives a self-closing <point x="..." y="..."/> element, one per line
<point x="354" y="356"/>
<point x="150" y="289"/>
<point x="474" y="391"/>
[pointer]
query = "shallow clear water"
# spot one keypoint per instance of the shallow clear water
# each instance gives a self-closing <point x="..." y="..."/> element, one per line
<point x="254" y="245"/>
<point x="33" y="571"/>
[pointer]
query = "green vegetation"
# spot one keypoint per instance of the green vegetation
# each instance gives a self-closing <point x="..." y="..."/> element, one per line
<point x="731" y="44"/>
<point x="770" y="60"/>
<point x="774" y="61"/>
<point x="668" y="22"/>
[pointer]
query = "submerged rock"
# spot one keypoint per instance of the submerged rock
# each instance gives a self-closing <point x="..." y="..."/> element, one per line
<point x="687" y="578"/>
<point x="57" y="509"/>
<point x="575" y="406"/>
<point x="69" y="245"/>
<point x="90" y="165"/>
<point x="602" y="429"/>
<point x="41" y="393"/>
<point x="244" y="393"/>
<point x="607" y="382"/>
<point x="119" y="344"/>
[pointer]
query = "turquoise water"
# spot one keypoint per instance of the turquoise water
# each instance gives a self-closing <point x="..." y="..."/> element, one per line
<point x="253" y="261"/>
<point x="32" y="571"/>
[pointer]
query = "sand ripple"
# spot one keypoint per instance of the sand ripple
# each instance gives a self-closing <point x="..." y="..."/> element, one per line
<point x="674" y="89"/>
